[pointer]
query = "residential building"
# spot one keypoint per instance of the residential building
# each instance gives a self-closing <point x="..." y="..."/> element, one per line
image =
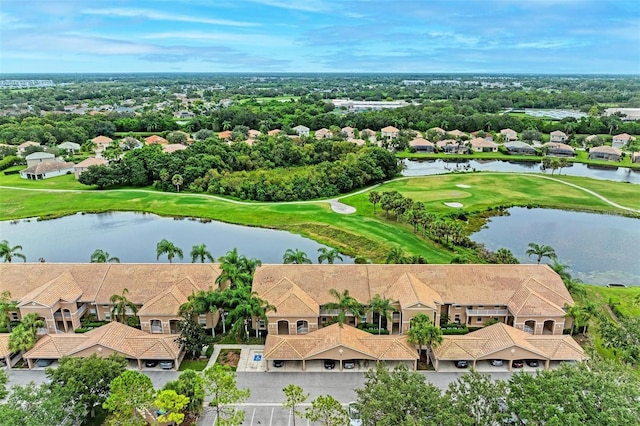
<point x="225" y="135"/>
<point x="509" y="135"/>
<point x="368" y="134"/>
<point x="70" y="147"/>
<point x="635" y="157"/>
<point x="452" y="146"/>
<point x="155" y="139"/>
<point x="274" y="132"/>
<point x="389" y="132"/>
<point x="82" y="166"/>
<point x="531" y="300"/>
<point x="558" y="136"/>
<point x="61" y="294"/>
<point x="173" y="147"/>
<point x="422" y="145"/>
<point x="47" y="169"/>
<point x="301" y="130"/>
<point x="24" y="145"/>
<point x="520" y="148"/>
<point x="39" y="157"/>
<point x="483" y="145"/>
<point x="349" y="132"/>
<point x="605" y="152"/>
<point x="456" y="134"/>
<point x="559" y="149"/>
<point x="359" y="106"/>
<point x="101" y="142"/>
<point x="620" y="141"/>
<point x="323" y="133"/>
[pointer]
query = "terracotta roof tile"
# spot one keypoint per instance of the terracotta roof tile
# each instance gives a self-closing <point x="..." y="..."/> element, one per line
<point x="64" y="288"/>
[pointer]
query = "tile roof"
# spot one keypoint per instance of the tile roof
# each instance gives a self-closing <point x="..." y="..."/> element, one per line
<point x="28" y="144"/>
<point x="62" y="288"/>
<point x="481" y="142"/>
<point x="409" y="291"/>
<point x="173" y="147"/>
<point x="128" y="341"/>
<point x="86" y="163"/>
<point x="486" y="342"/>
<point x="48" y="166"/>
<point x="389" y="129"/>
<point x="558" y="133"/>
<point x="461" y="284"/>
<point x="288" y="299"/>
<point x="606" y="149"/>
<point x="155" y="139"/>
<point x="101" y="140"/>
<point x="317" y="343"/>
<point x="456" y="132"/>
<point x="4" y="345"/>
<point x="623" y="137"/>
<point x="438" y="130"/>
<point x="420" y="142"/>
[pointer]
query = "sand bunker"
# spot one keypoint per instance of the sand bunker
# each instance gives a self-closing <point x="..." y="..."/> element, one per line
<point x="456" y="205"/>
<point x="463" y="186"/>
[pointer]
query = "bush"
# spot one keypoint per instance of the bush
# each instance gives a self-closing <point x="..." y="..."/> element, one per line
<point x="455" y="331"/>
<point x="209" y="351"/>
<point x="81" y="330"/>
<point x="9" y="161"/>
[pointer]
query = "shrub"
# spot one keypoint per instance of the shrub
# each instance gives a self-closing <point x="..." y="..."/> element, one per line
<point x="455" y="331"/>
<point x="9" y="161"/>
<point x="82" y="330"/>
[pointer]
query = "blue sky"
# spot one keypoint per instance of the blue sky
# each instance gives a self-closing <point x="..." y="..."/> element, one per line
<point x="412" y="36"/>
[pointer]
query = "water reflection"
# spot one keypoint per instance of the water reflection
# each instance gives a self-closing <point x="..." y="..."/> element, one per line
<point x="599" y="249"/>
<point x="132" y="237"/>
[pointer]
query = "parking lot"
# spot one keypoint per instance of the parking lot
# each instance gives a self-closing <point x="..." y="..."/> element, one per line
<point x="263" y="415"/>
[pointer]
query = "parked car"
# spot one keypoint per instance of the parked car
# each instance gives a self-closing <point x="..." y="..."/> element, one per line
<point x="277" y="363"/>
<point x="354" y="414"/>
<point x="349" y="364"/>
<point x="166" y="365"/>
<point x="532" y="363"/>
<point x="462" y="364"/>
<point x="329" y="364"/>
<point x="44" y="362"/>
<point x="150" y="363"/>
<point x="496" y="362"/>
<point x="518" y="363"/>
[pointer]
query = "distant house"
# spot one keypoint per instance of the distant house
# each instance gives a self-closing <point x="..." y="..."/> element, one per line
<point x="457" y="133"/>
<point x="301" y="130"/>
<point x="452" y="146"/>
<point x="155" y="139"/>
<point x="422" y="145"/>
<point x="559" y="149"/>
<point x="82" y="166"/>
<point x="274" y="132"/>
<point x="70" y="147"/>
<point x="518" y="147"/>
<point x="323" y="133"/>
<point x="47" y="170"/>
<point x="23" y="146"/>
<point x="389" y="132"/>
<point x="173" y="147"/>
<point x="101" y="142"/>
<point x="184" y="114"/>
<point x="635" y="157"/>
<point x="225" y="135"/>
<point x="349" y="132"/>
<point x="605" y="152"/>
<point x="358" y="142"/>
<point x="438" y="130"/>
<point x="622" y="140"/>
<point x="509" y="135"/>
<point x="39" y="157"/>
<point x="368" y="134"/>
<point x="558" y="136"/>
<point x="253" y="134"/>
<point x="483" y="145"/>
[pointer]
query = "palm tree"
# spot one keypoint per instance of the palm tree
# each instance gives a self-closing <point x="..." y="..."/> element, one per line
<point x="6" y="307"/>
<point x="234" y="275"/>
<point x="102" y="256"/>
<point x="23" y="337"/>
<point x="396" y="256"/>
<point x="423" y="332"/>
<point x="177" y="181"/>
<point x="200" y="252"/>
<point x="328" y="254"/>
<point x="120" y="305"/>
<point x="541" y="251"/>
<point x="382" y="307"/>
<point x="168" y="248"/>
<point x="374" y="198"/>
<point x="7" y="253"/>
<point x="346" y="303"/>
<point x="295" y="256"/>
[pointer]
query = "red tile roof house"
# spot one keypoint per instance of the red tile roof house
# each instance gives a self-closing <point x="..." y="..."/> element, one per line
<point x="155" y="139"/>
<point x="605" y="152"/>
<point x="559" y="149"/>
<point x="323" y="133"/>
<point x="483" y="145"/>
<point x="558" y="136"/>
<point x="422" y="145"/>
<point x="457" y="134"/>
<point x="389" y="132"/>
<point x="622" y="140"/>
<point x="82" y="166"/>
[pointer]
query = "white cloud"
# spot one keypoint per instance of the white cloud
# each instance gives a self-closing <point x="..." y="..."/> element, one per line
<point x="159" y="16"/>
<point x="233" y="38"/>
<point x="302" y="5"/>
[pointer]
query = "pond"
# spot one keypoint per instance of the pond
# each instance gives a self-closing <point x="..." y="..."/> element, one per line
<point x="434" y="167"/>
<point x="599" y="249"/>
<point x="132" y="237"/>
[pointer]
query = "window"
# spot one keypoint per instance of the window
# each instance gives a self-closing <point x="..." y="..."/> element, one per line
<point x="262" y="324"/>
<point x="323" y="319"/>
<point x="480" y="307"/>
<point x="14" y="316"/>
<point x="457" y="307"/>
<point x="479" y="319"/>
<point x="92" y="311"/>
<point x="202" y="320"/>
<point x="107" y="317"/>
<point x="456" y="319"/>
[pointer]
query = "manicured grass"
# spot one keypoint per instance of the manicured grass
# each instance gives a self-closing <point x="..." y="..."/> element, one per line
<point x="193" y="364"/>
<point x="360" y="234"/>
<point x="67" y="181"/>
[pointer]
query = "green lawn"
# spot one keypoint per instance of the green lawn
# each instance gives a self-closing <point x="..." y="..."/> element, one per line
<point x="623" y="297"/>
<point x="193" y="364"/>
<point x="359" y="234"/>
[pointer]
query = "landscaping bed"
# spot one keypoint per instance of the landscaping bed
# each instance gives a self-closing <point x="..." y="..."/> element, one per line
<point x="229" y="357"/>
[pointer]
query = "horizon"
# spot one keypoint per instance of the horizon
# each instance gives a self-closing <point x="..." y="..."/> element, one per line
<point x="543" y="37"/>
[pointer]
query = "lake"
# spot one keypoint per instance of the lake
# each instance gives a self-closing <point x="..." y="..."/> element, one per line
<point x="435" y="167"/>
<point x="599" y="249"/>
<point x="132" y="237"/>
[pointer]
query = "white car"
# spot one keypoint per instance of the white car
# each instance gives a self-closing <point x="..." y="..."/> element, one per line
<point x="354" y="414"/>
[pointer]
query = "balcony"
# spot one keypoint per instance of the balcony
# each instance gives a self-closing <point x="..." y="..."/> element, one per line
<point x="396" y="316"/>
<point x="77" y="314"/>
<point x="487" y="312"/>
<point x="332" y="312"/>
